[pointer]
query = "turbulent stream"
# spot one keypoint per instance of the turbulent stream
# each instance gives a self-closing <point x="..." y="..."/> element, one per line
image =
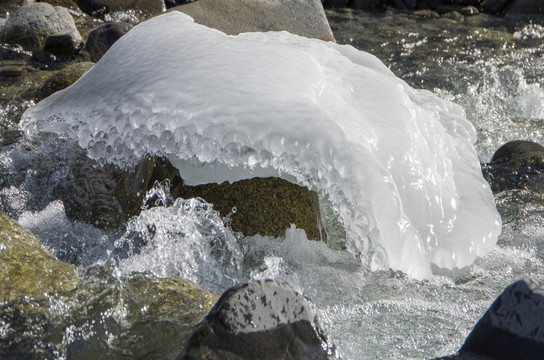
<point x="376" y="303"/>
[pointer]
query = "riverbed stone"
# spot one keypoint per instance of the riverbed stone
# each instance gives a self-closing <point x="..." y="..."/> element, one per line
<point x="98" y="8"/>
<point x="103" y="37"/>
<point x="526" y="7"/>
<point x="265" y="206"/>
<point x="63" y="43"/>
<point x="305" y="18"/>
<point x="30" y="25"/>
<point x="265" y="319"/>
<point x="63" y="78"/>
<point x="517" y="164"/>
<point x="512" y="328"/>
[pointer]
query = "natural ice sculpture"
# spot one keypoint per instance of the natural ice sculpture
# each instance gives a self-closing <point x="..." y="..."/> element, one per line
<point x="398" y="164"/>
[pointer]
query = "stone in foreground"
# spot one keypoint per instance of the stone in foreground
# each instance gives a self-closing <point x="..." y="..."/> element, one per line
<point x="513" y="327"/>
<point x="266" y="319"/>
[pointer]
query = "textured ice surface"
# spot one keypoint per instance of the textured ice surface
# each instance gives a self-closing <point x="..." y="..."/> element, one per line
<point x="398" y="164"/>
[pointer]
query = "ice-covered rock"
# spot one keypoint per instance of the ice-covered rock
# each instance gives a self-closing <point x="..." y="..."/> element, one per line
<point x="397" y="164"/>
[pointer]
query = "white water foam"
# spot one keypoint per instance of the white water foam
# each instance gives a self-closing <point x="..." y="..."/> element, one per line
<point x="397" y="164"/>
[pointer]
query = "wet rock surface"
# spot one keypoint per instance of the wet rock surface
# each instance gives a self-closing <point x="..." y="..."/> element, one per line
<point x="516" y="165"/>
<point x="98" y="8"/>
<point x="512" y="327"/>
<point x="261" y="320"/>
<point x="34" y="285"/>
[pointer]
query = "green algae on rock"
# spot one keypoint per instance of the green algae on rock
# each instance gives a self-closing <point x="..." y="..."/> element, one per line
<point x="51" y="309"/>
<point x="62" y="79"/>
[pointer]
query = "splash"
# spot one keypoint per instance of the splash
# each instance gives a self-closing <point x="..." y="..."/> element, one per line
<point x="397" y="164"/>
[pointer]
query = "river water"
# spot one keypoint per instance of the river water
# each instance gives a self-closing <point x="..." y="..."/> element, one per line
<point x="492" y="68"/>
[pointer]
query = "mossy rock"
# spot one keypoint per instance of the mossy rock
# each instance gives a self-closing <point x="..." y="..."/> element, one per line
<point x="265" y="206"/>
<point x="63" y="78"/>
<point x="104" y="315"/>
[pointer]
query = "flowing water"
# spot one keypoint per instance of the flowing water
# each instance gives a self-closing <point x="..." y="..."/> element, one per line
<point x="492" y="68"/>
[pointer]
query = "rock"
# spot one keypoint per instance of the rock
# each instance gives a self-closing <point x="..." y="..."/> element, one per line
<point x="405" y="4"/>
<point x="43" y="297"/>
<point x="63" y="78"/>
<point x="368" y="4"/>
<point x="304" y="18"/>
<point x="69" y="4"/>
<point x="261" y="320"/>
<point x="30" y="25"/>
<point x="453" y="15"/>
<point x="63" y="43"/>
<point x="528" y="7"/>
<point x="172" y="3"/>
<point x="265" y="206"/>
<point x="516" y="165"/>
<point x="103" y="37"/>
<point x="494" y="6"/>
<point x="512" y="328"/>
<point x="469" y="10"/>
<point x="98" y="8"/>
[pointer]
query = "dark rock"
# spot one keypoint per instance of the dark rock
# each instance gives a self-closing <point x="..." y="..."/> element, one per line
<point x="63" y="43"/>
<point x="103" y="37"/>
<point x="30" y="25"/>
<point x="405" y="4"/>
<point x="371" y="5"/>
<point x="494" y="6"/>
<point x="63" y="79"/>
<point x="528" y="7"/>
<point x="516" y="165"/>
<point x="335" y="3"/>
<point x="513" y="327"/>
<point x="172" y="3"/>
<point x="98" y="8"/>
<point x="238" y="16"/>
<point x="427" y="14"/>
<point x="261" y="320"/>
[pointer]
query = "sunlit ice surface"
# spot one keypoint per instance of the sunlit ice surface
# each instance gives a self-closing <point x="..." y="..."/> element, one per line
<point x="397" y="164"/>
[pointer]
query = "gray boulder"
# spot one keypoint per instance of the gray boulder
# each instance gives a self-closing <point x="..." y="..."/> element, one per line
<point x="513" y="327"/>
<point x="305" y="18"/>
<point x="30" y="25"/>
<point x="260" y="320"/>
<point x="103" y="37"/>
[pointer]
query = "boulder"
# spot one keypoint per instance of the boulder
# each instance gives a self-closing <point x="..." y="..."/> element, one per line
<point x="63" y="43"/>
<point x="98" y="8"/>
<point x="512" y="328"/>
<point x="265" y="319"/>
<point x="305" y="18"/>
<point x="69" y="4"/>
<point x="265" y="206"/>
<point x="516" y="165"/>
<point x="494" y="6"/>
<point x="103" y="37"/>
<point x="526" y="7"/>
<point x="62" y="79"/>
<point x="30" y="25"/>
<point x="44" y="298"/>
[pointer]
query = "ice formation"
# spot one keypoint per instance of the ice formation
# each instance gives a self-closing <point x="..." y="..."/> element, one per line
<point x="398" y="164"/>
